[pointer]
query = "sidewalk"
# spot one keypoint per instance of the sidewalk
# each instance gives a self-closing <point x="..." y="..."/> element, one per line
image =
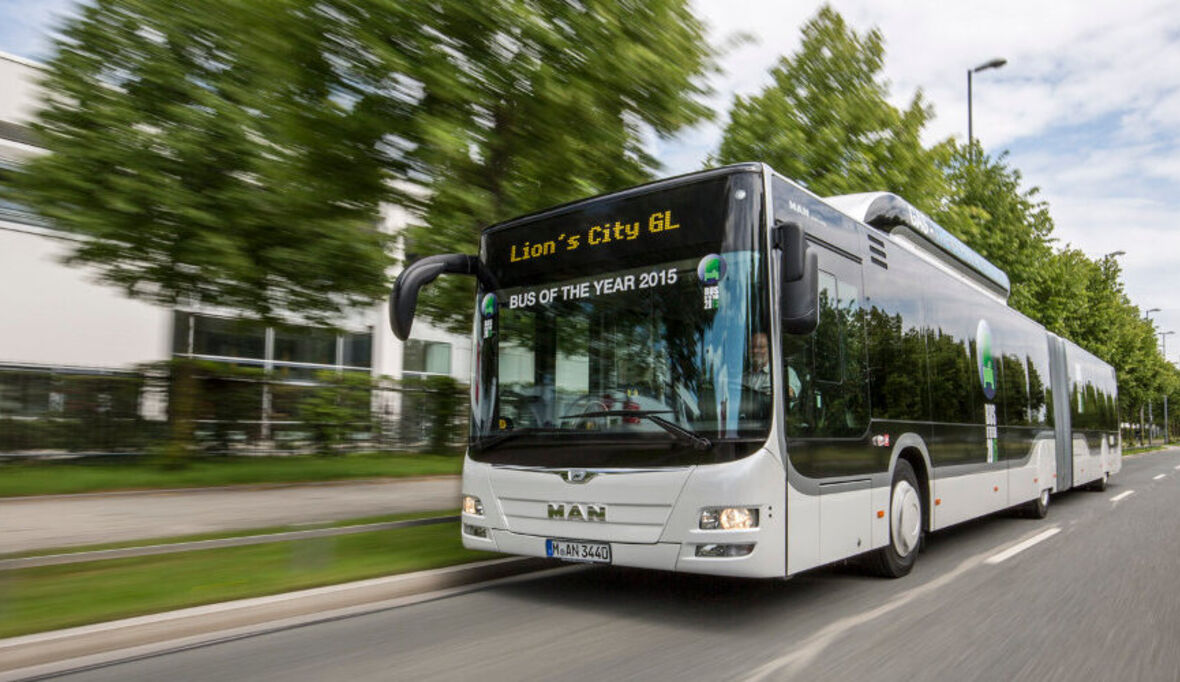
<point x="32" y="523"/>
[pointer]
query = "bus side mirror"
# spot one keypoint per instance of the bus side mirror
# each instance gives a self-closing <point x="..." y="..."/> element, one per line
<point x="403" y="299"/>
<point x="800" y="279"/>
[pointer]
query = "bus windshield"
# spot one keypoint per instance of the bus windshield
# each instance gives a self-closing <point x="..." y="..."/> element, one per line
<point x="629" y="330"/>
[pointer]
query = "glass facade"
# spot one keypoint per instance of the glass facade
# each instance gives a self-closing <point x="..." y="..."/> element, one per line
<point x="290" y="351"/>
<point x="292" y="359"/>
<point x="426" y="357"/>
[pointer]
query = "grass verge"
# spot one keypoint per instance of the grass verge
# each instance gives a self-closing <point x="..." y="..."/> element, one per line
<point x="1145" y="448"/>
<point x="248" y="532"/>
<point x="84" y="476"/>
<point x="52" y="597"/>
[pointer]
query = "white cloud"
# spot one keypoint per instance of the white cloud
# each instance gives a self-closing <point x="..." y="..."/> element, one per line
<point x="1089" y="104"/>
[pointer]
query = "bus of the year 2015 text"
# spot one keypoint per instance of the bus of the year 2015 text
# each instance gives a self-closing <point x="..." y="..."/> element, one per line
<point x="723" y="373"/>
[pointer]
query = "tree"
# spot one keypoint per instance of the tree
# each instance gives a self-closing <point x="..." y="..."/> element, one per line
<point x="204" y="162"/>
<point x="826" y="123"/>
<point x="988" y="209"/>
<point x="552" y="104"/>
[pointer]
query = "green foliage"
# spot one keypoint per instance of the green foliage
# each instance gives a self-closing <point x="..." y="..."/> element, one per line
<point x="826" y="123"/>
<point x="987" y="207"/>
<point x="439" y="401"/>
<point x="339" y="406"/>
<point x="529" y="104"/>
<point x="204" y="162"/>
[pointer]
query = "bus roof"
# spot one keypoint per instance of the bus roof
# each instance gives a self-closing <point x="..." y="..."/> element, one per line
<point x="892" y="214"/>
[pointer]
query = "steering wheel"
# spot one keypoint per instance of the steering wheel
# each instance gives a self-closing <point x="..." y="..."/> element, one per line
<point x="584" y="403"/>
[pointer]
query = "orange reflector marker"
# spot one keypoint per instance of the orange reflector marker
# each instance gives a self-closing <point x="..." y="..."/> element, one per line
<point x="1034" y="479"/>
<point x="937" y="501"/>
<point x="880" y="513"/>
<point x="995" y="488"/>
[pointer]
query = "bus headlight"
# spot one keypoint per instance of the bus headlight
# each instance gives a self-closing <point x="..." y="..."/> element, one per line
<point x="472" y="505"/>
<point x="729" y="518"/>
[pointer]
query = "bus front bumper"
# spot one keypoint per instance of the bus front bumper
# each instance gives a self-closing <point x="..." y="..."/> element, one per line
<point x="663" y="556"/>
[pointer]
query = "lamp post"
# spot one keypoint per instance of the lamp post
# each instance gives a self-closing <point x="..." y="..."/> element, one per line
<point x="993" y="64"/>
<point x="1164" y="342"/>
<point x="1147" y="316"/>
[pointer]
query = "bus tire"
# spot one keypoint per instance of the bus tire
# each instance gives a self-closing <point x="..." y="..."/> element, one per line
<point x="906" y="510"/>
<point x="1100" y="484"/>
<point x="1038" y="508"/>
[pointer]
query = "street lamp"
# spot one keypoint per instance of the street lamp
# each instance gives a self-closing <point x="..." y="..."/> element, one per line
<point x="1147" y="316"/>
<point x="993" y="64"/>
<point x="1164" y="341"/>
<point x="1150" y="406"/>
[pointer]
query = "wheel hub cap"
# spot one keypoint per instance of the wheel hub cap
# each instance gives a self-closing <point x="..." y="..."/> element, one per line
<point x="907" y="518"/>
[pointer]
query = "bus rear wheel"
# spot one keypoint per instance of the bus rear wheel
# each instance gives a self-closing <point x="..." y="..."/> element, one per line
<point x="905" y="526"/>
<point x="1038" y="508"/>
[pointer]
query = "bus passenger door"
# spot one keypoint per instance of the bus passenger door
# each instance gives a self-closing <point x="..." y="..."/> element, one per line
<point x="827" y="413"/>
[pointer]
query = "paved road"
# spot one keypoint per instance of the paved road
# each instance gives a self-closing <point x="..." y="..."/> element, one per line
<point x="63" y="521"/>
<point x="1098" y="600"/>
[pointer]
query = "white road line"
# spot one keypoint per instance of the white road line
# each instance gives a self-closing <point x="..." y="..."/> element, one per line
<point x="1156" y="478"/>
<point x="1120" y="496"/>
<point x="1177" y="467"/>
<point x="1017" y="549"/>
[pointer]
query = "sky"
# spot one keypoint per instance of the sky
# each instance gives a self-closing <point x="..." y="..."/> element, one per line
<point x="1088" y="105"/>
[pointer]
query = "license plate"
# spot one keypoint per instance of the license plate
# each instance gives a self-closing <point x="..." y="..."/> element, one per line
<point x="572" y="550"/>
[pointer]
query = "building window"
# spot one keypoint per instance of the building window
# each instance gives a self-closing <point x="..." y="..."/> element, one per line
<point x="304" y="345"/>
<point x="358" y="350"/>
<point x="426" y="357"/>
<point x="290" y="352"/>
<point x="221" y="338"/>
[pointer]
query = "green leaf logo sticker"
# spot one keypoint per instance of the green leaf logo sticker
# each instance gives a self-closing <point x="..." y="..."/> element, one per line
<point x="987" y="363"/>
<point x="711" y="269"/>
<point x="488" y="306"/>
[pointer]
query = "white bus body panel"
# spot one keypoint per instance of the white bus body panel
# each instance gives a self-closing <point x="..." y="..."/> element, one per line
<point x="960" y="498"/>
<point x="1026" y="482"/>
<point x="652" y="516"/>
<point x="838" y="523"/>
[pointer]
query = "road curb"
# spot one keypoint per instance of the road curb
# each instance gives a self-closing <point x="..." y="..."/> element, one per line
<point x="57" y="651"/>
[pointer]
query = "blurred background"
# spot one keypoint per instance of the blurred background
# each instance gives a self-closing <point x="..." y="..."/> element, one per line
<point x="203" y="203"/>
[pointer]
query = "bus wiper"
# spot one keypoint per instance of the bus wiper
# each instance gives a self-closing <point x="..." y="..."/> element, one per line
<point x="688" y="435"/>
<point x="496" y="441"/>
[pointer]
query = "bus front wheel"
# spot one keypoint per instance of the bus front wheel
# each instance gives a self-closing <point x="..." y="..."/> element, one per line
<point x="905" y="526"/>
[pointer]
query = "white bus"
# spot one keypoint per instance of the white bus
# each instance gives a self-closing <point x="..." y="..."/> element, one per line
<point x="723" y="373"/>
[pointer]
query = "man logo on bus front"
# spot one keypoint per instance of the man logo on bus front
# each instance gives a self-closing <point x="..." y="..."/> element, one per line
<point x="576" y="476"/>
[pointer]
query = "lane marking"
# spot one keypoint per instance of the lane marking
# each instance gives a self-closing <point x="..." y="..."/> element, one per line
<point x="1156" y="478"/>
<point x="1120" y="496"/>
<point x="1017" y="549"/>
<point x="786" y="665"/>
<point x="1177" y="467"/>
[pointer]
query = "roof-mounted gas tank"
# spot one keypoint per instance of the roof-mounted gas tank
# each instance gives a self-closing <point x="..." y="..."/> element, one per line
<point x="896" y="216"/>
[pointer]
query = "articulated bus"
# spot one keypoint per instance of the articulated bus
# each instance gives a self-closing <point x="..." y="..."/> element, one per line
<point x="723" y="373"/>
